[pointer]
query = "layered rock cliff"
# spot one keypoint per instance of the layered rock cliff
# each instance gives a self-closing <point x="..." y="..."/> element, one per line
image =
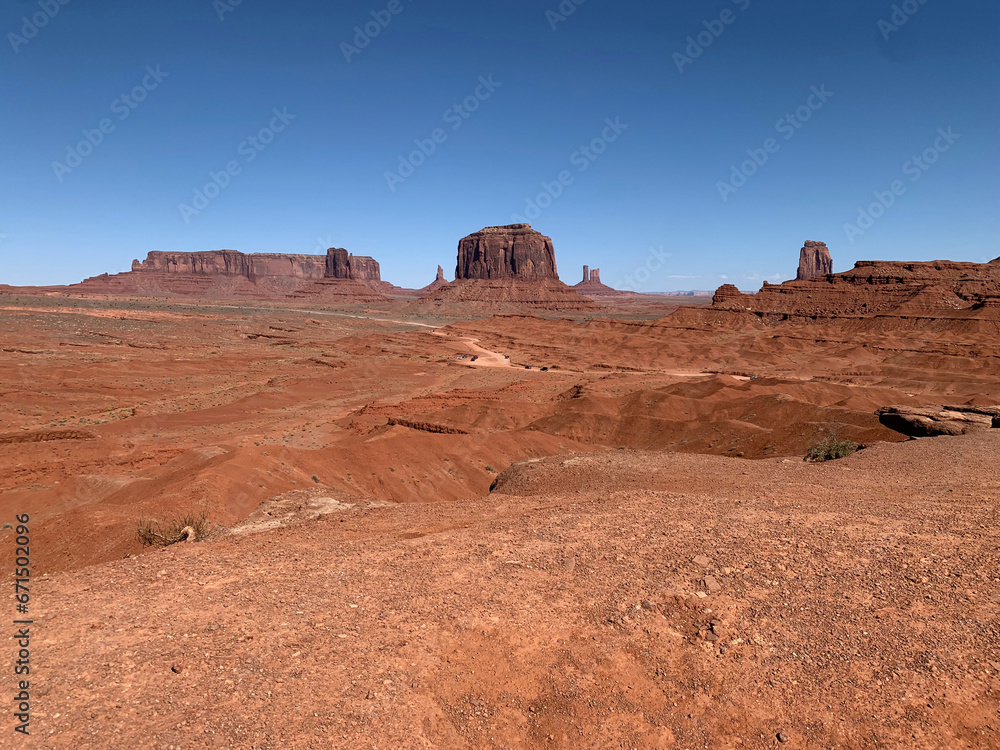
<point x="233" y="263"/>
<point x="515" y="251"/>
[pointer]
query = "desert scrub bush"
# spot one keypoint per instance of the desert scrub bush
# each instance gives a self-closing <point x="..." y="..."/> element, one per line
<point x="831" y="449"/>
<point x="186" y="528"/>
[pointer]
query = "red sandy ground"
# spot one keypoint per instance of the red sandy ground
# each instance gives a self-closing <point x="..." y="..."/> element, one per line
<point x="633" y="579"/>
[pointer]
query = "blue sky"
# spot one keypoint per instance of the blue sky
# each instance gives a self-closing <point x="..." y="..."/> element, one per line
<point x="702" y="180"/>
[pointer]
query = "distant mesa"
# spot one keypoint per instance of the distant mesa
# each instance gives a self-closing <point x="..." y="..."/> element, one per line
<point x="337" y="276"/>
<point x="233" y="263"/>
<point x="515" y="251"/>
<point x="814" y="260"/>
<point x="508" y="268"/>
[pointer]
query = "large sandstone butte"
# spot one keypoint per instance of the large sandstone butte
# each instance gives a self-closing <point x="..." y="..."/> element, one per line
<point x="515" y="251"/>
<point x="507" y="269"/>
<point x="814" y="260"/>
<point x="883" y="289"/>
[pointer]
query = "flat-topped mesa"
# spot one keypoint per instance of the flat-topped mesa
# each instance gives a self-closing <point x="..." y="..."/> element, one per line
<point x="515" y="251"/>
<point x="814" y="260"/>
<point x="342" y="265"/>
<point x="233" y="263"/>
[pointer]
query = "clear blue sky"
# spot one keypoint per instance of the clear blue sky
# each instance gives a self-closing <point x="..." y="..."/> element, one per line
<point x="322" y="180"/>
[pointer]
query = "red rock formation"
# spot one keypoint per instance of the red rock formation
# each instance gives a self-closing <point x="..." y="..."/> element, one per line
<point x="515" y="251"/>
<point x="342" y="265"/>
<point x="928" y="289"/>
<point x="586" y="274"/>
<point x="931" y="421"/>
<point x="595" y="275"/>
<point x="233" y="263"/>
<point x="814" y="260"/>
<point x="228" y="273"/>
<point x="438" y="283"/>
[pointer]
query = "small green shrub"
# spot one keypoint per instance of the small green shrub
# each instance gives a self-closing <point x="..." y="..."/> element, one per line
<point x="189" y="527"/>
<point x="831" y="449"/>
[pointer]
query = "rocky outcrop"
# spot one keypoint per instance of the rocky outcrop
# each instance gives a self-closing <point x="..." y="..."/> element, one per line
<point x="342" y="265"/>
<point x="515" y="251"/>
<point x="440" y="274"/>
<point x="932" y="289"/>
<point x="814" y="260"/>
<point x="725" y="295"/>
<point x="932" y="421"/>
<point x="595" y="275"/>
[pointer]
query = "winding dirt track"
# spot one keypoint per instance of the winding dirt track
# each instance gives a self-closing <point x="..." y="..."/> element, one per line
<point x="486" y="358"/>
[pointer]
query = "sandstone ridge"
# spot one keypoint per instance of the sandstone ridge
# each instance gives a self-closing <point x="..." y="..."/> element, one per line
<point x="931" y="289"/>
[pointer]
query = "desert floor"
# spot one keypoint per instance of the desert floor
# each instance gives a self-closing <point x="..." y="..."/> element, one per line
<point x="598" y="533"/>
